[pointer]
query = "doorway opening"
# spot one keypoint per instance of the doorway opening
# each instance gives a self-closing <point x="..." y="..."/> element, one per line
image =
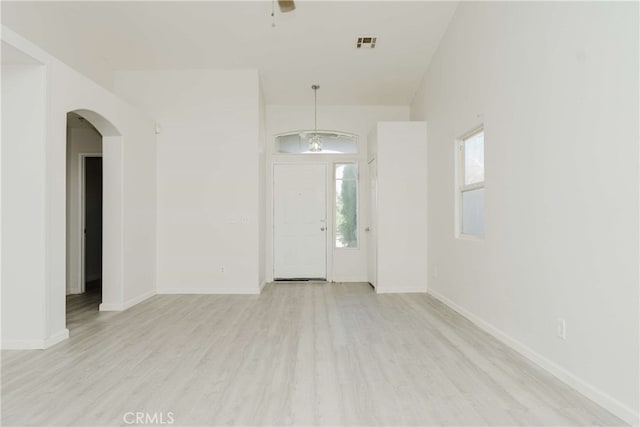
<point x="84" y="219"/>
<point x="91" y="207"/>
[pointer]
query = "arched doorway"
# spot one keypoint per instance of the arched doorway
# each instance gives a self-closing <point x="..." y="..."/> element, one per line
<point x="83" y="219"/>
<point x="94" y="216"/>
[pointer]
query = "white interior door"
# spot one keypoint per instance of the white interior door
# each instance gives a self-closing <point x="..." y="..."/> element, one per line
<point x="300" y="225"/>
<point x="372" y="256"/>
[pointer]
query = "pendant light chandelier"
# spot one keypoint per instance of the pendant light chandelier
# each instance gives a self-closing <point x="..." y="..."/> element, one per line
<point x="315" y="142"/>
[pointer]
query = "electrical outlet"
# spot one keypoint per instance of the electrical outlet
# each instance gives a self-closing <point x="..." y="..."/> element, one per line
<point x="562" y="328"/>
<point x="221" y="269"/>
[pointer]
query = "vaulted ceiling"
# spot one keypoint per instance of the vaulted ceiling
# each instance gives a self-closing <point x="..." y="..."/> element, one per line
<point x="316" y="43"/>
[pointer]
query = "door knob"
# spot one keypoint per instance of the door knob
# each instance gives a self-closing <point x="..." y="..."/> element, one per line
<point x="367" y="229"/>
<point x="321" y="228"/>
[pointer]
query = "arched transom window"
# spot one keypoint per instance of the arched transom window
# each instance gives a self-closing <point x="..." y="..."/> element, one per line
<point x="330" y="143"/>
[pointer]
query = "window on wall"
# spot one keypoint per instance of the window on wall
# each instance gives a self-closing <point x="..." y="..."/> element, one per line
<point x="332" y="143"/>
<point x="471" y="184"/>
<point x="346" y="205"/>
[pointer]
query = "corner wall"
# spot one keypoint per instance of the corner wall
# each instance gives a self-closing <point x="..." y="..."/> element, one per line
<point x="401" y="187"/>
<point x="23" y="174"/>
<point x="133" y="156"/>
<point x="556" y="87"/>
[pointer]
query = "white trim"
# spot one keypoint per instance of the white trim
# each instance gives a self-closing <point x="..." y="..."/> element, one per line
<point x="46" y="276"/>
<point x="373" y="215"/>
<point x="127" y="304"/>
<point x="36" y="344"/>
<point x="137" y="300"/>
<point x="122" y="221"/>
<point x="110" y="307"/>
<point x="207" y="291"/>
<point x="470" y="187"/>
<point x="56" y="338"/>
<point x="402" y="290"/>
<point x="471" y="237"/>
<point x="351" y="279"/>
<point x="601" y="398"/>
<point x="23" y="345"/>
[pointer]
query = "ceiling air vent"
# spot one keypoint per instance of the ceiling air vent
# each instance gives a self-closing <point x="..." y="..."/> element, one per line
<point x="366" y="42"/>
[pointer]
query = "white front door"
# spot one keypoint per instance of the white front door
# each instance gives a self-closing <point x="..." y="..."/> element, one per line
<point x="300" y="226"/>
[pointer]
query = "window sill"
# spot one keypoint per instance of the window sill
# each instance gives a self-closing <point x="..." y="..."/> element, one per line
<point x="471" y="237"/>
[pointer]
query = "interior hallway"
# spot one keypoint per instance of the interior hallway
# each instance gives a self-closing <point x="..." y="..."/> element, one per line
<point x="299" y="353"/>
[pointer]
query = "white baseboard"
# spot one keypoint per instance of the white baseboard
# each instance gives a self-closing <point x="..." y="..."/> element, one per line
<point x="208" y="291"/>
<point x="347" y="279"/>
<point x="110" y="307"/>
<point x="36" y="344"/>
<point x="262" y="285"/>
<point x="23" y="345"/>
<point x="127" y="304"/>
<point x="407" y="290"/>
<point x="56" y="338"/>
<point x="137" y="300"/>
<point x="603" y="399"/>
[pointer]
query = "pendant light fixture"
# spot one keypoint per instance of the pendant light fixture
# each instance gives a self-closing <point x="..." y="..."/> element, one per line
<point x="315" y="143"/>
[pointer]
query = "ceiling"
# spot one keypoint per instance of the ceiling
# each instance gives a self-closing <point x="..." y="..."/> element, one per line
<point x="313" y="44"/>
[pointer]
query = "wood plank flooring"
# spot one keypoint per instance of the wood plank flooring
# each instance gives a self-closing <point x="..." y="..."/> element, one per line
<point x="298" y="354"/>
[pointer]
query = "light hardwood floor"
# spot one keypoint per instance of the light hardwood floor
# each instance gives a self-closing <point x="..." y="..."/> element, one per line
<point x="299" y="353"/>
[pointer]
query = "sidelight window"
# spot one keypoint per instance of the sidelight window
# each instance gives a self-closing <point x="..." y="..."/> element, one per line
<point x="346" y="205"/>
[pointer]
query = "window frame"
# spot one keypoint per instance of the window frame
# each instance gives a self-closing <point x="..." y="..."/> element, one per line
<point x="356" y="163"/>
<point x="355" y="137"/>
<point x="461" y="187"/>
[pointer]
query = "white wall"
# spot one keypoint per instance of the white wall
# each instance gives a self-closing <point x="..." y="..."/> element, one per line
<point x="207" y="174"/>
<point x="80" y="139"/>
<point x="556" y="86"/>
<point x="129" y="217"/>
<point x="23" y="222"/>
<point x="401" y="155"/>
<point x="344" y="265"/>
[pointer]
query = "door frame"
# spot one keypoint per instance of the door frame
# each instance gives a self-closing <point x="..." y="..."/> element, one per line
<point x="372" y="232"/>
<point x="82" y="158"/>
<point x="328" y="220"/>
